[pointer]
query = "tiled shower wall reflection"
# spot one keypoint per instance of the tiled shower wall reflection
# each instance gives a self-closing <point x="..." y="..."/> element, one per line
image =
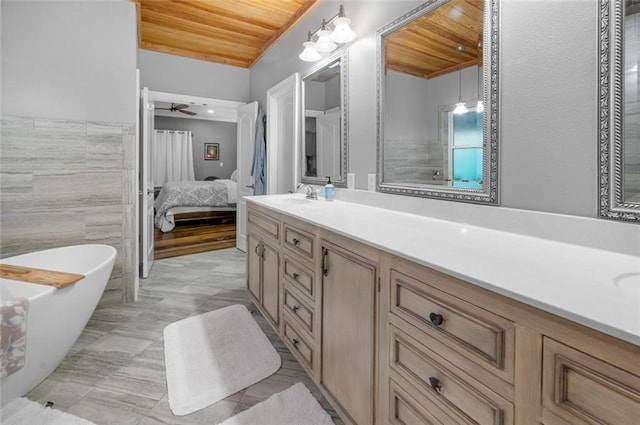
<point x="414" y="161"/>
<point x="69" y="182"/>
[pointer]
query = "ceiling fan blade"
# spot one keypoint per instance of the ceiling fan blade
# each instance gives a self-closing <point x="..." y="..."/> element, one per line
<point x="187" y="112"/>
<point x="180" y="106"/>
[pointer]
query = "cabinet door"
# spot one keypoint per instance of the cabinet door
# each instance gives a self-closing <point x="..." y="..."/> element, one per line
<point x="270" y="278"/>
<point x="348" y="306"/>
<point x="254" y="261"/>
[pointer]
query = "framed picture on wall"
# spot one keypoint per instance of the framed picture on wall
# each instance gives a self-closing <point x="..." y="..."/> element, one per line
<point x="211" y="151"/>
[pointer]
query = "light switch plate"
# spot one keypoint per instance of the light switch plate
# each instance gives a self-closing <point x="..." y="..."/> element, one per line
<point x="351" y="181"/>
<point x="371" y="182"/>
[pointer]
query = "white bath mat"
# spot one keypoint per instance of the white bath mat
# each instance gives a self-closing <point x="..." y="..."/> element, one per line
<point x="293" y="406"/>
<point x="23" y="411"/>
<point x="213" y="355"/>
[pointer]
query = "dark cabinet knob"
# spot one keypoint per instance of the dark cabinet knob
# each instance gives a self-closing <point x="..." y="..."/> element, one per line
<point x="435" y="384"/>
<point x="295" y="241"/>
<point x="259" y="250"/>
<point x="436" y="318"/>
<point x="295" y="308"/>
<point x="295" y="342"/>
<point x="295" y="276"/>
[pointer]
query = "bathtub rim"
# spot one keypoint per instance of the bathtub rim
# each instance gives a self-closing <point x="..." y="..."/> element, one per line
<point x="110" y="257"/>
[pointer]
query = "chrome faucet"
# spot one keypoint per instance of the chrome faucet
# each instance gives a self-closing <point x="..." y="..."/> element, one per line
<point x="310" y="192"/>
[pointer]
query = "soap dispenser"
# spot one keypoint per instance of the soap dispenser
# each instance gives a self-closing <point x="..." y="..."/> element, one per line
<point x="328" y="190"/>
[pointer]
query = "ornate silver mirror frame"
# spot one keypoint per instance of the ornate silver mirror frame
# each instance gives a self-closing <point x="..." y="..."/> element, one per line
<point x="489" y="193"/>
<point x="613" y="204"/>
<point x="340" y="57"/>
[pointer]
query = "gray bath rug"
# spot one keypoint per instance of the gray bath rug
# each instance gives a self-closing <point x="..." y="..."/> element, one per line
<point x="213" y="355"/>
<point x="23" y="411"/>
<point x="293" y="406"/>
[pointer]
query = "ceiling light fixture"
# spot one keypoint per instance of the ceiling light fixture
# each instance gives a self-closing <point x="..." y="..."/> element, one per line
<point x="460" y="106"/>
<point x="327" y="39"/>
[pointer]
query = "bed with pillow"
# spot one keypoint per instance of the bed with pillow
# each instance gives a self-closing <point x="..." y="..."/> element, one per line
<point x="189" y="199"/>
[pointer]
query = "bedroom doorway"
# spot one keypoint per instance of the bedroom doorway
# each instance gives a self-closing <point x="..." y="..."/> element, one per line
<point x="162" y="104"/>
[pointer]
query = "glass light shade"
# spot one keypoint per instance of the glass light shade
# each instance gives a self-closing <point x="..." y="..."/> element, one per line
<point x="342" y="33"/>
<point x="324" y="43"/>
<point x="480" y="107"/>
<point x="460" y="108"/>
<point x="309" y="54"/>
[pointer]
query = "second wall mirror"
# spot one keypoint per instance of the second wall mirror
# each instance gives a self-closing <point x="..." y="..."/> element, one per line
<point x="324" y="122"/>
<point x="619" y="91"/>
<point x="438" y="102"/>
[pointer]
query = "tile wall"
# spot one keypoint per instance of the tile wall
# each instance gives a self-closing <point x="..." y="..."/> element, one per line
<point x="414" y="161"/>
<point x="69" y="182"/>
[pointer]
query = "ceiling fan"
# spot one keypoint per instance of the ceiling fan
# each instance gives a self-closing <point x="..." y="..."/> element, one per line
<point x="180" y="108"/>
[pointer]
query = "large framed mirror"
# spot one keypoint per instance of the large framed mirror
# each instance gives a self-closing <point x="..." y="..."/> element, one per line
<point x="438" y="102"/>
<point x="324" y="96"/>
<point x="619" y="110"/>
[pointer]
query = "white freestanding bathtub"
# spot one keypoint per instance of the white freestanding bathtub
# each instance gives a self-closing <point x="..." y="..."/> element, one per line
<point x="56" y="317"/>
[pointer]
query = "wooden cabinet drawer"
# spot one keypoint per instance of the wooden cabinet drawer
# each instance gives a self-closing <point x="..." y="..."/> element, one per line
<point x="299" y="241"/>
<point x="468" y="401"/>
<point x="582" y="389"/>
<point x="298" y="310"/>
<point x="479" y="335"/>
<point x="406" y="410"/>
<point x="300" y="277"/>
<point x="266" y="225"/>
<point x="300" y="348"/>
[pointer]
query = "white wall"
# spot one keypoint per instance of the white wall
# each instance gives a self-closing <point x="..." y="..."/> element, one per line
<point x="67" y="160"/>
<point x="224" y="133"/>
<point x="548" y="72"/>
<point x="180" y="75"/>
<point x="549" y="127"/>
<point x="69" y="60"/>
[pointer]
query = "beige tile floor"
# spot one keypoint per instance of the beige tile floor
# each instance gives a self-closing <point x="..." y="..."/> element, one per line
<point x="115" y="372"/>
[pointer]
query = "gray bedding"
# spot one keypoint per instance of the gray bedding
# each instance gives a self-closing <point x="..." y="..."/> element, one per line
<point x="217" y="193"/>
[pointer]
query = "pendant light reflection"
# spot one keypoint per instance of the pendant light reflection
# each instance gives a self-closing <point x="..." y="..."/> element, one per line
<point x="460" y="106"/>
<point x="327" y="39"/>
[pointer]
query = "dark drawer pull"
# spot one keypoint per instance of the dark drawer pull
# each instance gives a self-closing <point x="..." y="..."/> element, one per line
<point x="294" y="308"/>
<point x="295" y="341"/>
<point x="295" y="276"/>
<point x="295" y="241"/>
<point x="435" y="384"/>
<point x="436" y="318"/>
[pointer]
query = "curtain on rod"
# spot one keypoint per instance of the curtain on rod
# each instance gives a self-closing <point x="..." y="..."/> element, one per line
<point x="173" y="157"/>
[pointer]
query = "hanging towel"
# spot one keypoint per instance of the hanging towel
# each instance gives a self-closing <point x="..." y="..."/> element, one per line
<point x="259" y="167"/>
<point x="13" y="335"/>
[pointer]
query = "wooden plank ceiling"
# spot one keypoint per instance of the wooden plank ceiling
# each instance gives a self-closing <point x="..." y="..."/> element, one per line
<point x="232" y="32"/>
<point x="429" y="46"/>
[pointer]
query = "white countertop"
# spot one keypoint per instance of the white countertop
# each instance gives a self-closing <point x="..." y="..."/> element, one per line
<point x="593" y="287"/>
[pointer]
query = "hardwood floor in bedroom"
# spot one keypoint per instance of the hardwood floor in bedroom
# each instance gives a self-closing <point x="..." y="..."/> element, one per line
<point x="194" y="236"/>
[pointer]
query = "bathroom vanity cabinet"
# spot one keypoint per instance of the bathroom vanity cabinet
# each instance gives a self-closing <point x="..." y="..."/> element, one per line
<point x="263" y="264"/>
<point x="392" y="341"/>
<point x="349" y="299"/>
